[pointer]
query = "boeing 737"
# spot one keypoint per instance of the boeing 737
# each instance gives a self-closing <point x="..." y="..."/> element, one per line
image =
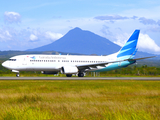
<point x="76" y="64"/>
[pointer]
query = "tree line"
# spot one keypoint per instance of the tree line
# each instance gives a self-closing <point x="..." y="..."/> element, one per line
<point x="133" y="71"/>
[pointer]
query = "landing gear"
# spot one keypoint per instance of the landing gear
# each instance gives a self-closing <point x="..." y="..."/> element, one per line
<point x="17" y="75"/>
<point x="69" y="75"/>
<point x="80" y="74"/>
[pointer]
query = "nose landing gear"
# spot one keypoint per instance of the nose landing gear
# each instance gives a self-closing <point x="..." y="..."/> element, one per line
<point x="17" y="75"/>
<point x="16" y="71"/>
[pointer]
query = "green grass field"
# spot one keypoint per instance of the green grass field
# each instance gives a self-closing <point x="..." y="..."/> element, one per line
<point x="79" y="100"/>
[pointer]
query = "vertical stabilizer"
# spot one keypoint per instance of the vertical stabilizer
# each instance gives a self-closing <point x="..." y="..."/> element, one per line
<point x="129" y="49"/>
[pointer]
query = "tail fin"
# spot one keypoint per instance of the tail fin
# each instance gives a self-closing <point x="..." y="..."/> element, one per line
<point x="129" y="49"/>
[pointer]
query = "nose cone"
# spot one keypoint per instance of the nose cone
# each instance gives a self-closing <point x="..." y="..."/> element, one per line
<point x="4" y="64"/>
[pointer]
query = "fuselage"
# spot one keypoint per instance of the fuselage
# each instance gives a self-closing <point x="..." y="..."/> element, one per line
<point x="52" y="62"/>
<point x="56" y="62"/>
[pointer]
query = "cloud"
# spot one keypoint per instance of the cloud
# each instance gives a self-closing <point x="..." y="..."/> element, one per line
<point x="33" y="37"/>
<point x="12" y="17"/>
<point x="111" y="17"/>
<point x="146" y="21"/>
<point x="8" y="34"/>
<point x="105" y="30"/>
<point x="158" y="22"/>
<point x="121" y="39"/>
<point x="5" y="35"/>
<point x="134" y="17"/>
<point x="53" y="36"/>
<point x="145" y="43"/>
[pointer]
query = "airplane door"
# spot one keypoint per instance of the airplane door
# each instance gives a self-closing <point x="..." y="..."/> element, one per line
<point x="24" y="61"/>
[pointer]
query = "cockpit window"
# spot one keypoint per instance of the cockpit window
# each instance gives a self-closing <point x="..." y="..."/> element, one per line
<point x="12" y="60"/>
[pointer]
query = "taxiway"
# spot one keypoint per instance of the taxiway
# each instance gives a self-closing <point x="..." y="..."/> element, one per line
<point x="80" y="78"/>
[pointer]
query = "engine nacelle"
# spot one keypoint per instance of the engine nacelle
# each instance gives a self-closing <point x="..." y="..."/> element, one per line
<point x="69" y="70"/>
<point x="48" y="72"/>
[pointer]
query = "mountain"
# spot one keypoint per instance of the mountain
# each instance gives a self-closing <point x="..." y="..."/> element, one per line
<point x="82" y="42"/>
<point x="78" y="41"/>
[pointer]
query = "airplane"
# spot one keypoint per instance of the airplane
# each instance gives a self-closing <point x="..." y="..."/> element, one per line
<point x="76" y="64"/>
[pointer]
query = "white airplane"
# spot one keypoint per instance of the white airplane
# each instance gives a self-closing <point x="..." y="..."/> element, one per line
<point x="76" y="64"/>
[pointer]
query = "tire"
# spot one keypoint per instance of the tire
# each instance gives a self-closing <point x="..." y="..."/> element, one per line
<point x="17" y="75"/>
<point x="69" y="75"/>
<point x="80" y="74"/>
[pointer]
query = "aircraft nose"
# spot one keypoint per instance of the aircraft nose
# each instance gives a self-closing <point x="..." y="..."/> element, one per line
<point x="4" y="64"/>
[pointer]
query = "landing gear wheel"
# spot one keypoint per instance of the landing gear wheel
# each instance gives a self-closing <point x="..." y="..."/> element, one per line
<point x="17" y="75"/>
<point x="69" y="75"/>
<point x="80" y="74"/>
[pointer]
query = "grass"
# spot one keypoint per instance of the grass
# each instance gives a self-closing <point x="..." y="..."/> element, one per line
<point x="39" y="74"/>
<point x="80" y="100"/>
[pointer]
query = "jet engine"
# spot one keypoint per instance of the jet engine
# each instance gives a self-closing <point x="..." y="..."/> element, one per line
<point x="69" y="70"/>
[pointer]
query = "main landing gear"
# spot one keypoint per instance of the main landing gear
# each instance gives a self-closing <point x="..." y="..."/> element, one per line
<point x="80" y="74"/>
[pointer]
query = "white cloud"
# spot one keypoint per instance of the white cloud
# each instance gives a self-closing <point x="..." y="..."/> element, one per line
<point x="145" y="43"/>
<point x="121" y="39"/>
<point x="53" y="36"/>
<point x="111" y="17"/>
<point x="5" y="35"/>
<point x="8" y="34"/>
<point x="1" y="37"/>
<point x="33" y="37"/>
<point x="146" y="21"/>
<point x="12" y="17"/>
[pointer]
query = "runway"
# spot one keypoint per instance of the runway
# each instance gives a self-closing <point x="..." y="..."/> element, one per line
<point x="81" y="78"/>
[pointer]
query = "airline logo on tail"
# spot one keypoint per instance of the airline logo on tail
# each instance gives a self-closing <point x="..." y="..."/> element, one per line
<point x="129" y="49"/>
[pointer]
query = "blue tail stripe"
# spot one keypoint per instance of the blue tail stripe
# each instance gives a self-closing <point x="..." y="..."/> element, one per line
<point x="130" y="47"/>
<point x="129" y="52"/>
<point x="130" y="42"/>
<point x="134" y="35"/>
<point x="122" y="51"/>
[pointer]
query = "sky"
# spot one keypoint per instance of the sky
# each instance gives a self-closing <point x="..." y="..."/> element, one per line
<point x="34" y="23"/>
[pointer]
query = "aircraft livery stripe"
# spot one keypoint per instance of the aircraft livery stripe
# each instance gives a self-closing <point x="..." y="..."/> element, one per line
<point x="133" y="43"/>
<point x="130" y="46"/>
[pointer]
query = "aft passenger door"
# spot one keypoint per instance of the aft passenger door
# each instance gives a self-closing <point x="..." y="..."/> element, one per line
<point x="24" y="62"/>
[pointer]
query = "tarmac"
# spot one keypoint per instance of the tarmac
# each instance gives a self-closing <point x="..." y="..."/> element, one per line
<point x="81" y="78"/>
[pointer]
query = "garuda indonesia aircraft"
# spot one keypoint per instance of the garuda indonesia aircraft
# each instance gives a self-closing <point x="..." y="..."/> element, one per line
<point x="74" y="64"/>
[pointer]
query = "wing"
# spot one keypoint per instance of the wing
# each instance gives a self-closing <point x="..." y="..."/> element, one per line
<point x="95" y="65"/>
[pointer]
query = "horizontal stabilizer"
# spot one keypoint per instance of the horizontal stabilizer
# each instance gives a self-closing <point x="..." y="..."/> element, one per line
<point x="141" y="58"/>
